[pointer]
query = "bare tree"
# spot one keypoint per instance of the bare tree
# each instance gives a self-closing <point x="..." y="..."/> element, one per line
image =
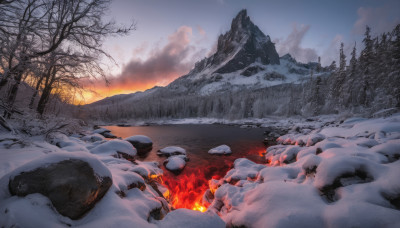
<point x="36" y="28"/>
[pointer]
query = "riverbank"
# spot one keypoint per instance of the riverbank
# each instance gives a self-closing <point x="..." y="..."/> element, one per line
<point x="322" y="173"/>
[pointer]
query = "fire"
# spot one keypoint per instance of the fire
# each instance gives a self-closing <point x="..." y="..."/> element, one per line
<point x="199" y="207"/>
<point x="187" y="190"/>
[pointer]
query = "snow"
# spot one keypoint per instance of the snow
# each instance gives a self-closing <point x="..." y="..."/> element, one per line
<point x="172" y="150"/>
<point x="175" y="163"/>
<point x="129" y="201"/>
<point x="347" y="176"/>
<point x="223" y="149"/>
<point x="93" y="138"/>
<point x="100" y="131"/>
<point x="346" y="179"/>
<point x="189" y="218"/>
<point x="139" y="138"/>
<point x="256" y="81"/>
<point x="113" y="147"/>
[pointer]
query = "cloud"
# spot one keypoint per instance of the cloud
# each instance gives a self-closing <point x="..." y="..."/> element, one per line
<point x="201" y="30"/>
<point x="162" y="66"/>
<point x="292" y="45"/>
<point x="380" y="19"/>
<point x="332" y="52"/>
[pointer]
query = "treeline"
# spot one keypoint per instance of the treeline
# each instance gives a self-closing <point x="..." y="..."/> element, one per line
<point x="368" y="83"/>
<point x="372" y="80"/>
<point x="53" y="46"/>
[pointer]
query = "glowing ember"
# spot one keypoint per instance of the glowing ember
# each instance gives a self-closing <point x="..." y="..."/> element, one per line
<point x="187" y="190"/>
<point x="198" y="207"/>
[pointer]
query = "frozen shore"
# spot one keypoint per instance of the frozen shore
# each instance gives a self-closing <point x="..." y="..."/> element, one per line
<point x="322" y="173"/>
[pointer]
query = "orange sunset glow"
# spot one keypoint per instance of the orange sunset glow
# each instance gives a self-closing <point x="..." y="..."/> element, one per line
<point x="100" y="91"/>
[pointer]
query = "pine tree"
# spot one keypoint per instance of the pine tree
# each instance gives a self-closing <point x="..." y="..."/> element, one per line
<point x="319" y="65"/>
<point x="316" y="99"/>
<point x="332" y="67"/>
<point x="395" y="70"/>
<point x="342" y="94"/>
<point x="351" y="79"/>
<point x="365" y="64"/>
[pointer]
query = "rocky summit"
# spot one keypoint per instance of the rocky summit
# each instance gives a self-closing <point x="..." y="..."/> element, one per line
<point x="241" y="46"/>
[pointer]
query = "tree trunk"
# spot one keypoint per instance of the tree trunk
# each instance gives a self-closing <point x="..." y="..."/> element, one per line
<point x="43" y="100"/>
<point x="36" y="92"/>
<point x="3" y="81"/>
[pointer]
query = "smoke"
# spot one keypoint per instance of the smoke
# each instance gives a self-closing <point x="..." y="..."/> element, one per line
<point x="292" y="45"/>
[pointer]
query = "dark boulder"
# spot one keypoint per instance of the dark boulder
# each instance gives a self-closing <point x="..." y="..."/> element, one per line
<point x="142" y="143"/>
<point x="71" y="185"/>
<point x="252" y="70"/>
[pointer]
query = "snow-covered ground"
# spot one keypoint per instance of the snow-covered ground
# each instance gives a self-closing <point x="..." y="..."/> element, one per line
<point x="271" y="121"/>
<point x="338" y="176"/>
<point x="323" y="173"/>
<point x="135" y="198"/>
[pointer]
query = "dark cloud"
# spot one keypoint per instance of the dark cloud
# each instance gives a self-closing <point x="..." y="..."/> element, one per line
<point x="164" y="64"/>
<point x="292" y="45"/>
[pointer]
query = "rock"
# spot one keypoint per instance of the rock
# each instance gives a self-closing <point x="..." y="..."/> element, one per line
<point x="171" y="150"/>
<point x="100" y="130"/>
<point x="72" y="186"/>
<point x="93" y="138"/>
<point x="142" y="143"/>
<point x="104" y="132"/>
<point x="252" y="70"/>
<point x="314" y="138"/>
<point x="274" y="76"/>
<point x="175" y="163"/>
<point x="116" y="148"/>
<point x="223" y="149"/>
<point x="240" y="47"/>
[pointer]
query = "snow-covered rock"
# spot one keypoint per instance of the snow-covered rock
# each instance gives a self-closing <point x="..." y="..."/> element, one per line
<point x="175" y="162"/>
<point x="223" y="149"/>
<point x="100" y="131"/>
<point x="139" y="139"/>
<point x="104" y="132"/>
<point x="115" y="147"/>
<point x="345" y="176"/>
<point x="134" y="199"/>
<point x="72" y="197"/>
<point x="171" y="150"/>
<point x="141" y="142"/>
<point x="74" y="182"/>
<point x="93" y="138"/>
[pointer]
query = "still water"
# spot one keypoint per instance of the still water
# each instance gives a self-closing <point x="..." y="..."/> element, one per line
<point x="197" y="140"/>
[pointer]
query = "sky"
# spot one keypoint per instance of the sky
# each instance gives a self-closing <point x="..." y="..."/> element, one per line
<point x="171" y="35"/>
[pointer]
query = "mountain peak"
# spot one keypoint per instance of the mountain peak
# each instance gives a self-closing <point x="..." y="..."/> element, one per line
<point x="241" y="46"/>
<point x="241" y="20"/>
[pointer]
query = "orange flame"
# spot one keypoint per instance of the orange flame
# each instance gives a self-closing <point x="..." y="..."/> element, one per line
<point x="187" y="191"/>
<point x="198" y="207"/>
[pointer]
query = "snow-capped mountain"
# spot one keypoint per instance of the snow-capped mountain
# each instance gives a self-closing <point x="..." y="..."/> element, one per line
<point x="240" y="47"/>
<point x="245" y="59"/>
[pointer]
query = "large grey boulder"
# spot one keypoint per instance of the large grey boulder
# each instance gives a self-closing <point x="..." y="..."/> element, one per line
<point x="72" y="186"/>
